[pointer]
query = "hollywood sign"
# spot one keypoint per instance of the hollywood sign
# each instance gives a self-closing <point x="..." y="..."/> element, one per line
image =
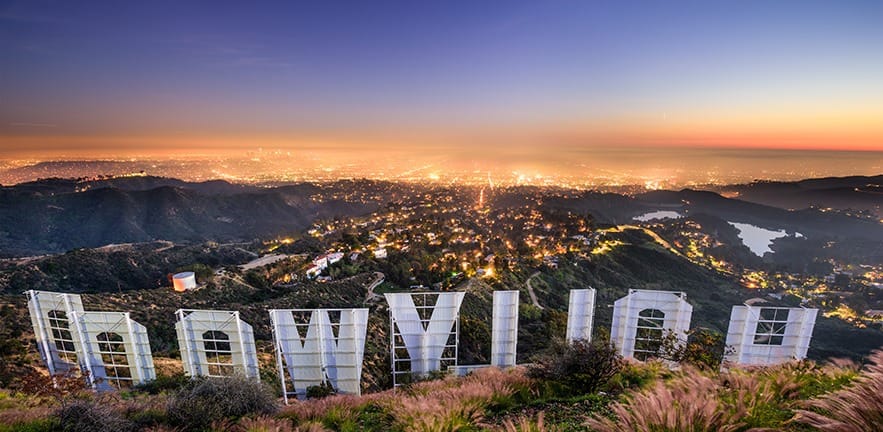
<point x="316" y="346"/>
<point x="109" y="347"/>
<point x="216" y="344"/>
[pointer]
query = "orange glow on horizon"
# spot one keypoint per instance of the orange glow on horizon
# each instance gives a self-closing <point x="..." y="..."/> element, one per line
<point x="851" y="129"/>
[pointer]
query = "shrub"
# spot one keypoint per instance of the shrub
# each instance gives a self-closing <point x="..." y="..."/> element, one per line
<point x="320" y="391"/>
<point x="581" y="366"/>
<point x="61" y="387"/>
<point x="636" y="375"/>
<point x="164" y="383"/>
<point x="83" y="416"/>
<point x="39" y="425"/>
<point x="212" y="399"/>
<point x="145" y="412"/>
<point x="406" y="381"/>
<point x="704" y="349"/>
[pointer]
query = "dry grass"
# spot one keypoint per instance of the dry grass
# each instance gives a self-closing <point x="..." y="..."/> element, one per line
<point x="162" y="428"/>
<point x="526" y="424"/>
<point x="339" y="406"/>
<point x="856" y="408"/>
<point x="265" y="424"/>
<point x="448" y="404"/>
<point x="18" y="415"/>
<point x="167" y="366"/>
<point x="741" y="399"/>
<point x="688" y="403"/>
<point x="453" y="404"/>
<point x="449" y="409"/>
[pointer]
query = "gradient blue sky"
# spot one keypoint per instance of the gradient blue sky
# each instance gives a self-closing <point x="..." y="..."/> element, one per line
<point x="111" y="74"/>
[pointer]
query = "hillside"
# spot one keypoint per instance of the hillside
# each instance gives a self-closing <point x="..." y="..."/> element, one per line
<point x="494" y="400"/>
<point x="856" y="193"/>
<point x="116" y="268"/>
<point x="56" y="215"/>
<point x="548" y="239"/>
<point x="807" y="221"/>
<point x="49" y="217"/>
<point x="639" y="263"/>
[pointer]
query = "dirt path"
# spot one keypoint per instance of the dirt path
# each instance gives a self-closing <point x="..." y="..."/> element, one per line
<point x="533" y="296"/>
<point x="379" y="278"/>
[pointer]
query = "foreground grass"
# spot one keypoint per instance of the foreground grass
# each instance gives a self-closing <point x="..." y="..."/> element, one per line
<point x="799" y="396"/>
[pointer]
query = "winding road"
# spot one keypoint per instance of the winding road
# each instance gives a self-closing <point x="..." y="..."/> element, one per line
<point x="533" y="296"/>
<point x="379" y="278"/>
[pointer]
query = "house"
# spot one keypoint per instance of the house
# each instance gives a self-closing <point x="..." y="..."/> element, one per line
<point x="321" y="261"/>
<point x="334" y="257"/>
<point x="313" y="271"/>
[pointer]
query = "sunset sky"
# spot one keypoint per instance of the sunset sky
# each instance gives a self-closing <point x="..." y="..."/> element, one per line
<point x="107" y="78"/>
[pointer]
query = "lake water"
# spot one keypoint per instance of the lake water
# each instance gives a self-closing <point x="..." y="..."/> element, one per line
<point x="758" y="239"/>
<point x="661" y="214"/>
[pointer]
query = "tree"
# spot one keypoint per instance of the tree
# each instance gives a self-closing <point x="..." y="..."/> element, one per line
<point x="704" y="349"/>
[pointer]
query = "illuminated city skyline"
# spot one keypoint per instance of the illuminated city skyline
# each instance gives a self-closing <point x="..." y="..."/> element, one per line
<point x="525" y="86"/>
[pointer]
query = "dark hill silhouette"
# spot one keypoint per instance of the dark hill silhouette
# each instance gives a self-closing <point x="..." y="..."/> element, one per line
<point x="856" y="192"/>
<point x="53" y="185"/>
<point x="807" y="222"/>
<point x="36" y="222"/>
<point x="55" y="215"/>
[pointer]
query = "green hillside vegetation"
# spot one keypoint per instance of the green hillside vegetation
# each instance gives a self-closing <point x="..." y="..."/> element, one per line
<point x="117" y="268"/>
<point x="133" y="278"/>
<point x="638" y="263"/>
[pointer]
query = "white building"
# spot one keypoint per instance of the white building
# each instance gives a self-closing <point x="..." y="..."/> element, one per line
<point x="643" y="317"/>
<point x="321" y="261"/>
<point x="380" y="253"/>
<point x="760" y="335"/>
<point x="334" y="257"/>
<point x="313" y="271"/>
<point x="184" y="281"/>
